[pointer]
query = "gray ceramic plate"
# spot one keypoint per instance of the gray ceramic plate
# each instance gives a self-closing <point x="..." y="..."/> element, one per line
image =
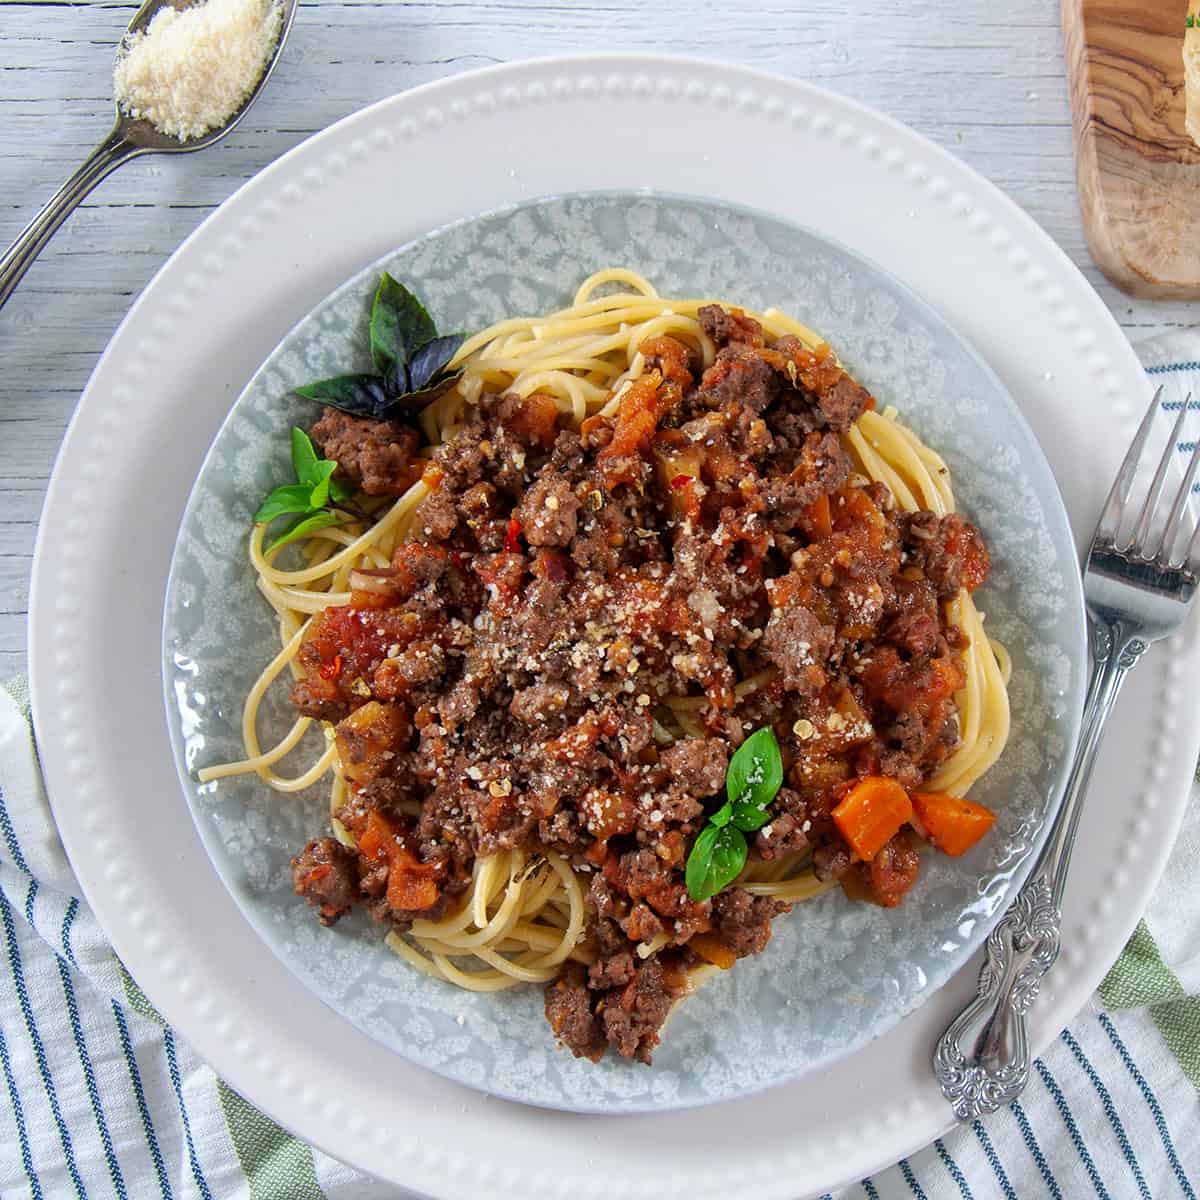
<point x="835" y="975"/>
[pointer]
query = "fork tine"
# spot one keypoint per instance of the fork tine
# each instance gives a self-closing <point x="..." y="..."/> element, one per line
<point x="1179" y="508"/>
<point x="1141" y="534"/>
<point x="1118" y="496"/>
<point x="1191" y="560"/>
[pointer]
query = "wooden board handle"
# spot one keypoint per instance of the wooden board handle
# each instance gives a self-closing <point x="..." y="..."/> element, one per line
<point x="1138" y="170"/>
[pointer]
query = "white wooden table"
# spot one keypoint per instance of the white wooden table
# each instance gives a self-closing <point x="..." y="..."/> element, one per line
<point x="983" y="79"/>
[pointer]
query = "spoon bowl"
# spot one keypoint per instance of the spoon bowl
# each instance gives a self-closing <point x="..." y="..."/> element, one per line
<point x="128" y="138"/>
<point x="143" y="134"/>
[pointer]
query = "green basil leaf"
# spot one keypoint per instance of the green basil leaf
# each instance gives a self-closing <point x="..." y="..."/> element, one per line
<point x="722" y="815"/>
<point x="399" y="325"/>
<point x="305" y="459"/>
<point x="431" y="359"/>
<point x="749" y="817"/>
<point x="716" y="859"/>
<point x="756" y="770"/>
<point x="339" y="490"/>
<point x="320" y="488"/>
<point x="291" y="498"/>
<point x="358" y="395"/>
<point x="302" y="525"/>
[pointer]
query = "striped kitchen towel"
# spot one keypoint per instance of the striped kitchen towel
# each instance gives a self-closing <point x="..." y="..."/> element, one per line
<point x="103" y="1100"/>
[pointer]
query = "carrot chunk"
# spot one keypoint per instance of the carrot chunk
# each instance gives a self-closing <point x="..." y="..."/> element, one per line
<point x="954" y="825"/>
<point x="871" y="814"/>
<point x="712" y="950"/>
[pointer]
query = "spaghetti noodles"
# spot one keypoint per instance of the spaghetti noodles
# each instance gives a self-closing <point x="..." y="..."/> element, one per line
<point x="521" y="911"/>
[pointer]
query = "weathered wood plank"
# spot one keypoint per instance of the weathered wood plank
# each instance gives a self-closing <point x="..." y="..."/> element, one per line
<point x="1002" y="67"/>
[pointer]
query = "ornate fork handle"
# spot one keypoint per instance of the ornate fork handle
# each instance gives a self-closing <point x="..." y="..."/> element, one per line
<point x="982" y="1060"/>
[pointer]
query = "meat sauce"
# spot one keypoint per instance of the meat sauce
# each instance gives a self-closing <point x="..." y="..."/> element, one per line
<point x="496" y="687"/>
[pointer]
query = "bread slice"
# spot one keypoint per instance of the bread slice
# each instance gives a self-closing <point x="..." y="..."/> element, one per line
<point x="1191" y="69"/>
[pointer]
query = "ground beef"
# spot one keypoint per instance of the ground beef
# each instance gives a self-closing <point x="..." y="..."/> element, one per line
<point x="742" y="922"/>
<point x="739" y="376"/>
<point x="947" y="549"/>
<point x="831" y="861"/>
<point x="917" y="633"/>
<point x="901" y="765"/>
<point x="842" y="404"/>
<point x="325" y="873"/>
<point x="729" y="325"/>
<point x="547" y="513"/>
<point x="634" y="1014"/>
<point x="798" y="644"/>
<point x="504" y="682"/>
<point x="309" y="703"/>
<point x="540" y="702"/>
<point x="697" y="765"/>
<point x="378" y="456"/>
<point x="614" y="965"/>
<point x="569" y="1010"/>
<point x="436" y="516"/>
<point x="788" y="829"/>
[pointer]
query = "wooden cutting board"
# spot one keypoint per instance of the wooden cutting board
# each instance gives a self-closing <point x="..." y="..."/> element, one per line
<point x="1139" y="171"/>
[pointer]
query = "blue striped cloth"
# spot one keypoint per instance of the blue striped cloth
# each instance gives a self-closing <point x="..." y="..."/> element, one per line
<point x="105" y="1101"/>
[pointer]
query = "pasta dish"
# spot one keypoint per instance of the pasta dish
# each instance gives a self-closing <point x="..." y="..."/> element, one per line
<point x="631" y="627"/>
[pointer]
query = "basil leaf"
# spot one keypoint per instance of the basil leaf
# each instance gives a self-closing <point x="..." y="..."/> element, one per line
<point x="716" y="859"/>
<point x="413" y="402"/>
<point x="756" y="770"/>
<point x="339" y="490"/>
<point x="395" y="380"/>
<point x="302" y="525"/>
<point x="358" y="395"/>
<point x="305" y="459"/>
<point x="722" y="815"/>
<point x="430" y="360"/>
<point x="749" y="817"/>
<point x="399" y="325"/>
<point x="320" y="488"/>
<point x="291" y="498"/>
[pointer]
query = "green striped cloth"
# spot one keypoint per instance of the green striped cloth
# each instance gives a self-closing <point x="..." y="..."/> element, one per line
<point x="105" y="1101"/>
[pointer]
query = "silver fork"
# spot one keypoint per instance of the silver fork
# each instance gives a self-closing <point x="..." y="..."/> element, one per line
<point x="1138" y="591"/>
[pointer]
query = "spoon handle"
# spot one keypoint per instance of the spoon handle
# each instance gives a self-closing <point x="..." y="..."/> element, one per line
<point x="18" y="258"/>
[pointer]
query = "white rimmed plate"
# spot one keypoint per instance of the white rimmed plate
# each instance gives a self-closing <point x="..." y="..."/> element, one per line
<point x="197" y="335"/>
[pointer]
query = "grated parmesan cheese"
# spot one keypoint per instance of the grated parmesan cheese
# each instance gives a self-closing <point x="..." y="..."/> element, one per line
<point x="189" y="71"/>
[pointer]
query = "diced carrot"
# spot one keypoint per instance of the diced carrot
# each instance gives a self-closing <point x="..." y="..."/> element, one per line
<point x="872" y="814"/>
<point x="818" y="519"/>
<point x="433" y="476"/>
<point x="953" y="825"/>
<point x="713" y="951"/>
<point x="413" y="890"/>
<point x="374" y="841"/>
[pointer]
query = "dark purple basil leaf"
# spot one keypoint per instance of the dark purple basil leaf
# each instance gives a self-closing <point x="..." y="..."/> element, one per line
<point x="395" y="380"/>
<point x="415" y="402"/>
<point x="358" y="395"/>
<point x="431" y="359"/>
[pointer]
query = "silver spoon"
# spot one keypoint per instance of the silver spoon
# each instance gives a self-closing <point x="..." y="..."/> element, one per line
<point x="128" y="139"/>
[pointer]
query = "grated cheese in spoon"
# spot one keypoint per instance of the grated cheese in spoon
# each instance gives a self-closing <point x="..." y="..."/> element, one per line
<point x="189" y="71"/>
